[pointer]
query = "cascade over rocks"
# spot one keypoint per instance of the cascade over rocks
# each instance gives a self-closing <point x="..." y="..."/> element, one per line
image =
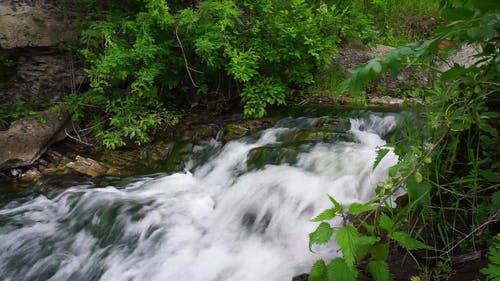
<point x="27" y="139"/>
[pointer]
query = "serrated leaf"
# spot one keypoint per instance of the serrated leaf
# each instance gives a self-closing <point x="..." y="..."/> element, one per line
<point x="380" y="251"/>
<point x="381" y="153"/>
<point x="406" y="241"/>
<point x="337" y="206"/>
<point x="350" y="240"/>
<point x="493" y="269"/>
<point x="327" y="214"/>
<point x="357" y="208"/>
<point x="318" y="271"/>
<point x="338" y="270"/>
<point x="321" y="235"/>
<point x="385" y="223"/>
<point x="379" y="270"/>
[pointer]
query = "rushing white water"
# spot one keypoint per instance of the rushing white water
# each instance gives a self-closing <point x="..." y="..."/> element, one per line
<point x="220" y="221"/>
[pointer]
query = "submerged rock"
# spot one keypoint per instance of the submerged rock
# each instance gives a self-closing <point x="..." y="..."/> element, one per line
<point x="334" y="124"/>
<point x="88" y="167"/>
<point x="27" y="139"/>
<point x="301" y="277"/>
<point x="318" y="136"/>
<point x="245" y="127"/>
<point x="271" y="155"/>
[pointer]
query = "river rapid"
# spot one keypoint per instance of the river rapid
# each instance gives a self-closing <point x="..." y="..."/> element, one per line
<point x="223" y="218"/>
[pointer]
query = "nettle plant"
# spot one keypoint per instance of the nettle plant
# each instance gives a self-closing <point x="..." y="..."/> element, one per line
<point x="450" y="172"/>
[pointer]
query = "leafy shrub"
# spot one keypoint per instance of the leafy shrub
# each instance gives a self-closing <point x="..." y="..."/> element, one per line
<point x="448" y="170"/>
<point x="142" y="54"/>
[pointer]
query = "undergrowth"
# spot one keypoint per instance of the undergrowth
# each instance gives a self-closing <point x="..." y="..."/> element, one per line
<point x="449" y="171"/>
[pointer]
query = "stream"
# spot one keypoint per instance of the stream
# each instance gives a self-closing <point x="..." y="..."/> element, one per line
<point x="239" y="211"/>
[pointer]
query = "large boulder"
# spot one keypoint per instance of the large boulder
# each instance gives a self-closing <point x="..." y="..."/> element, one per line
<point x="27" y="139"/>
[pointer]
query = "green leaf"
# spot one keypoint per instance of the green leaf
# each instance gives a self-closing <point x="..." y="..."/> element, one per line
<point x="406" y="241"/>
<point x="327" y="214"/>
<point x="393" y="171"/>
<point x="418" y="193"/>
<point x="380" y="251"/>
<point x="337" y="206"/>
<point x="370" y="228"/>
<point x="385" y="223"/>
<point x="495" y="200"/>
<point x="357" y="208"/>
<point x="321" y="235"/>
<point x="418" y="177"/>
<point x="318" y="271"/>
<point x="379" y="270"/>
<point x="490" y="176"/>
<point x="350" y="240"/>
<point x="338" y="270"/>
<point x="381" y="153"/>
<point x="493" y="269"/>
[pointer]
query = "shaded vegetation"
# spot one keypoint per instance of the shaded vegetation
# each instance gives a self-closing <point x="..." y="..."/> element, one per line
<point x="448" y="163"/>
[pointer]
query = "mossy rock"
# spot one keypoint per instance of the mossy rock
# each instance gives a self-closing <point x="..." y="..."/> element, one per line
<point x="317" y="136"/>
<point x="272" y="155"/>
<point x="334" y="124"/>
<point x="178" y="156"/>
<point x="245" y="127"/>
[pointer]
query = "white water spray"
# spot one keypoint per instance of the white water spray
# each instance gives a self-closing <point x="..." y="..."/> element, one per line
<point x="219" y="222"/>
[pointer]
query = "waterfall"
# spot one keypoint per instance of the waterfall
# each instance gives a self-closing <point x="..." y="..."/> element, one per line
<point x="216" y="221"/>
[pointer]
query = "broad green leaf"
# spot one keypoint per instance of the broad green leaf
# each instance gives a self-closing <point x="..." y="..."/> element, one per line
<point x="406" y="241"/>
<point x="321" y="235"/>
<point x="379" y="270"/>
<point x="385" y="223"/>
<point x="393" y="171"/>
<point x="418" y="193"/>
<point x="318" y="271"/>
<point x="380" y="251"/>
<point x="327" y="214"/>
<point x="381" y="153"/>
<point x="375" y="65"/>
<point x="357" y="208"/>
<point x="338" y="270"/>
<point x="350" y="240"/>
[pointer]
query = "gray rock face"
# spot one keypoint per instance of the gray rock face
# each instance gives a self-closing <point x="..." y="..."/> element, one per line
<point x="27" y="139"/>
<point x="25" y="23"/>
<point x="37" y="70"/>
<point x="41" y="75"/>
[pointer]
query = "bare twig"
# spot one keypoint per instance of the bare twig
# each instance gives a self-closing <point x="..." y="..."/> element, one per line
<point x="75" y="139"/>
<point x="185" y="59"/>
<point x="491" y="219"/>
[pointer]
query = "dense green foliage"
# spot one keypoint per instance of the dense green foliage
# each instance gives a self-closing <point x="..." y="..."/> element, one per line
<point x="143" y="56"/>
<point x="450" y="170"/>
<point x="148" y="59"/>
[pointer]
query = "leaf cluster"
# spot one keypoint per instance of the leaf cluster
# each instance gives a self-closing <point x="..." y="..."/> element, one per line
<point x="448" y="162"/>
